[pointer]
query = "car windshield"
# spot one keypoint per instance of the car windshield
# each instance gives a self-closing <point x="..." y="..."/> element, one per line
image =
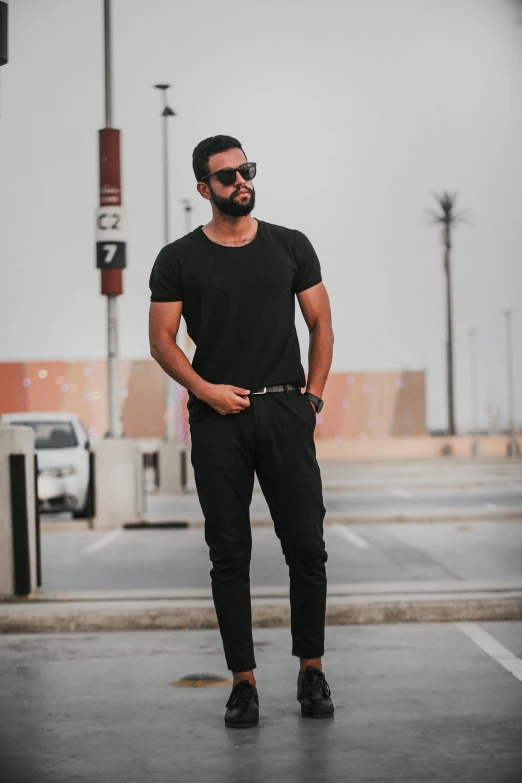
<point x="52" y="434"/>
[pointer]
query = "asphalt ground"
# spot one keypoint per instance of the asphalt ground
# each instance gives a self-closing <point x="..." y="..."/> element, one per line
<point x="414" y="703"/>
<point x="379" y="570"/>
<point x="373" y="491"/>
<point x="173" y="558"/>
<point x="353" y="491"/>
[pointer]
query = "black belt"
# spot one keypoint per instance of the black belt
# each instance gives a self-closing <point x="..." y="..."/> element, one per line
<point x="277" y="388"/>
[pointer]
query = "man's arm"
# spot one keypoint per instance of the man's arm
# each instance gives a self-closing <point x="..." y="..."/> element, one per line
<point x="315" y="307"/>
<point x="164" y="319"/>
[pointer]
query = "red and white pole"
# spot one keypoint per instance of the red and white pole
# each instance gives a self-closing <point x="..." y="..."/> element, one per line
<point x="111" y="236"/>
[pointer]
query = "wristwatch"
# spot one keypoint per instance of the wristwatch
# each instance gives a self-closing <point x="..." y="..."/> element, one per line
<point x="317" y="401"/>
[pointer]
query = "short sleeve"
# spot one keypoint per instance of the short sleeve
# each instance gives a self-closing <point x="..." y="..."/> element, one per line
<point x="308" y="267"/>
<point x="165" y="279"/>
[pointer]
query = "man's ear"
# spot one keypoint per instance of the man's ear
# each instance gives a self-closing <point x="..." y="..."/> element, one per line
<point x="204" y="190"/>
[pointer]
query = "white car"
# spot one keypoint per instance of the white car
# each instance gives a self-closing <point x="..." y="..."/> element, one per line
<point x="62" y="446"/>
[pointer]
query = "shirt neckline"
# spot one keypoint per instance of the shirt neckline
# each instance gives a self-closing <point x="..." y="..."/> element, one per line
<point x="231" y="247"/>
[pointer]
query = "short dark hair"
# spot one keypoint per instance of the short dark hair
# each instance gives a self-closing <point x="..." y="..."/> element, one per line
<point x="208" y="147"/>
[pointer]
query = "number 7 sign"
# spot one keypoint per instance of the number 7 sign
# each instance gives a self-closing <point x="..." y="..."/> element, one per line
<point x="110" y="255"/>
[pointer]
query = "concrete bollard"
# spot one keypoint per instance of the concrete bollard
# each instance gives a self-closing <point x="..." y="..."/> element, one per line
<point x="175" y="468"/>
<point x="18" y="535"/>
<point x="118" y="483"/>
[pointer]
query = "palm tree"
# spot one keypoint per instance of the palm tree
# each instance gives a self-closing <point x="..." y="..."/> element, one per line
<point x="448" y="218"/>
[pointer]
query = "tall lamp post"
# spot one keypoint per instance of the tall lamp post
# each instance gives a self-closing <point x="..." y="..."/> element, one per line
<point x="170" y="396"/>
<point x="475" y="448"/>
<point x="513" y="445"/>
<point x="188" y="209"/>
<point x="166" y="113"/>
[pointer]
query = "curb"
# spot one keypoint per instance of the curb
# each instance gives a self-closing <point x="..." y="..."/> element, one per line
<point x="104" y="617"/>
<point x="331" y="519"/>
<point x="364" y="519"/>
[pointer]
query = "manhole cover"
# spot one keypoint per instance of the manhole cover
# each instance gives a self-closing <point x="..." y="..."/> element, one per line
<point x="200" y="681"/>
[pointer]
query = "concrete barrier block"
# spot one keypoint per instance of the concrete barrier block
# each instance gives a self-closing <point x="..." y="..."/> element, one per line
<point x="175" y="468"/>
<point x="16" y="440"/>
<point x="118" y="482"/>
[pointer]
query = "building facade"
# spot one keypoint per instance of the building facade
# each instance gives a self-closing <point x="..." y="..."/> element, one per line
<point x="358" y="405"/>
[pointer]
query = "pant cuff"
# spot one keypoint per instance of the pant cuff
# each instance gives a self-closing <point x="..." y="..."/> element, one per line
<point x="238" y="665"/>
<point x="317" y="653"/>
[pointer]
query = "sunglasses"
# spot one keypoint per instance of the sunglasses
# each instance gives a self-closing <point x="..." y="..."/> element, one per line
<point x="228" y="176"/>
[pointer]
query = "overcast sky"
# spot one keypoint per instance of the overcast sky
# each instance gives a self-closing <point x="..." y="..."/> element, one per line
<point x="355" y="111"/>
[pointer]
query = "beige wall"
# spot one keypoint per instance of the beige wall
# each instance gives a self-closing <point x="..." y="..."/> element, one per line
<point x="407" y="448"/>
<point x="362" y="406"/>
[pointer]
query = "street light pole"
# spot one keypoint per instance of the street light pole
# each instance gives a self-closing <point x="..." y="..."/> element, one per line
<point x="166" y="113"/>
<point x="187" y="207"/>
<point x="513" y="445"/>
<point x="170" y="397"/>
<point x="475" y="448"/>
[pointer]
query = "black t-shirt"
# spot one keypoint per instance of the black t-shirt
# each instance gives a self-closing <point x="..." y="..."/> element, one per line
<point x="239" y="302"/>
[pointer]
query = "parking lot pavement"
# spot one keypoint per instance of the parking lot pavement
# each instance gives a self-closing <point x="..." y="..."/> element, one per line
<point x="414" y="704"/>
<point x="387" y="491"/>
<point x="386" y="504"/>
<point x="178" y="558"/>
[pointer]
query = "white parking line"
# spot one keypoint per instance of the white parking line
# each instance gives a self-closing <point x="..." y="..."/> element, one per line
<point x="352" y="537"/>
<point x="105" y="540"/>
<point x="401" y="493"/>
<point x="491" y="647"/>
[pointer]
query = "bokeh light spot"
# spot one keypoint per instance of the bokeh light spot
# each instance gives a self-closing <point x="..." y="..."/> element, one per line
<point x="86" y="371"/>
<point x="59" y="380"/>
<point x="97" y="395"/>
<point x="399" y="383"/>
<point x="366" y="388"/>
<point x="64" y="387"/>
<point x="345" y="403"/>
<point x="124" y="392"/>
<point x="338" y="438"/>
<point x="350" y="379"/>
<point x="43" y="374"/>
<point x="369" y="424"/>
<point x="26" y="382"/>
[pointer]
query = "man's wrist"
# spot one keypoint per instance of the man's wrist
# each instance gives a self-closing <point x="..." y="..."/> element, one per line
<point x="316" y="401"/>
<point x="201" y="389"/>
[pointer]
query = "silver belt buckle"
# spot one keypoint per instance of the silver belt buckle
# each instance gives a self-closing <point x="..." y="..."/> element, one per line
<point x="261" y="392"/>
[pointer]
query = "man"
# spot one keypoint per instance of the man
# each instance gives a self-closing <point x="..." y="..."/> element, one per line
<point x="235" y="281"/>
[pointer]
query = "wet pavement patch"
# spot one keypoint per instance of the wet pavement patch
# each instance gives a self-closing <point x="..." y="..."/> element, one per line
<point x="200" y="681"/>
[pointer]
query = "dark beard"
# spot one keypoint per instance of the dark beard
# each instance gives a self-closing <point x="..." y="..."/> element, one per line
<point x="233" y="207"/>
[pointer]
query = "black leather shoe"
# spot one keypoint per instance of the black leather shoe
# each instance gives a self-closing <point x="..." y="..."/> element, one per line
<point x="243" y="706"/>
<point x="314" y="694"/>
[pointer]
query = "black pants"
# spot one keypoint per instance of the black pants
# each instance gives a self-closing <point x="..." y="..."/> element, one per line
<point x="273" y="438"/>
